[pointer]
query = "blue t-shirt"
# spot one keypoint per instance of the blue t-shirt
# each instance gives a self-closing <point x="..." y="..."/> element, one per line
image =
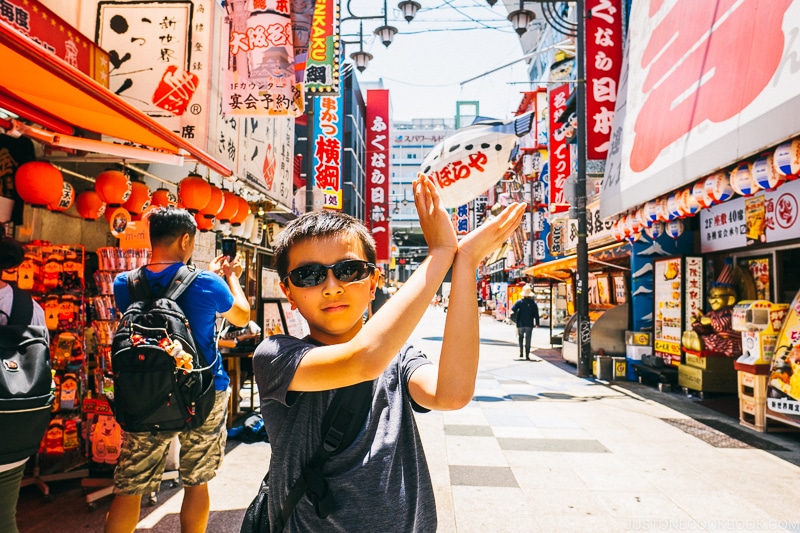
<point x="208" y="295"/>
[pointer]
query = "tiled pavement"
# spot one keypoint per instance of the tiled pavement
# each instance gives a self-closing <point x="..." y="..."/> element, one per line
<point x="539" y="449"/>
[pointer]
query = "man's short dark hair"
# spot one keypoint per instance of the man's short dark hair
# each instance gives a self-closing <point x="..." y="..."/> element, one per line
<point x="11" y="251"/>
<point x="320" y="224"/>
<point x="168" y="224"/>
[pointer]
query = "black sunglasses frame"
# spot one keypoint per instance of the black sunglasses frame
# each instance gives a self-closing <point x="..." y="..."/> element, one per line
<point x="365" y="270"/>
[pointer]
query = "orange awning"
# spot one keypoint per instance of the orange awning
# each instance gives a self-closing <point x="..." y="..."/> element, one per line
<point x="563" y="267"/>
<point x="38" y="80"/>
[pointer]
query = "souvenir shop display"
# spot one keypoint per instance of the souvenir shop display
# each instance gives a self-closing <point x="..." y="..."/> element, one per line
<point x="54" y="275"/>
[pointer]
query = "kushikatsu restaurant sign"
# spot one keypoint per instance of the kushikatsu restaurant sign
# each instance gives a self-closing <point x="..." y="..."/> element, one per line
<point x="322" y="63"/>
<point x="378" y="170"/>
<point x="327" y="137"/>
<point x="603" y="65"/>
<point x="48" y="30"/>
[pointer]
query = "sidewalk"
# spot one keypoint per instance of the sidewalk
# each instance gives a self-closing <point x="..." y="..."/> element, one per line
<point x="538" y="449"/>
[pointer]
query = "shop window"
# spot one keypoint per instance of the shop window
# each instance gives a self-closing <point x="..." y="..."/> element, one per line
<point x="788" y="274"/>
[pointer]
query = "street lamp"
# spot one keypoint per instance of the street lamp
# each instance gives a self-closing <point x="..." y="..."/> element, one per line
<point x="520" y="19"/>
<point x="385" y="32"/>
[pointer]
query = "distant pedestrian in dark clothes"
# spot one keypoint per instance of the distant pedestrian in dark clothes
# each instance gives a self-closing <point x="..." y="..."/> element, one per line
<point x="528" y="313"/>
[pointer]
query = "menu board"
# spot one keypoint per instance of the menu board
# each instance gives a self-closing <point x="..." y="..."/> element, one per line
<point x="296" y="325"/>
<point x="678" y="295"/>
<point x="668" y="291"/>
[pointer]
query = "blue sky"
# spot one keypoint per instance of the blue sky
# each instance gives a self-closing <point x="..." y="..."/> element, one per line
<point x="449" y="41"/>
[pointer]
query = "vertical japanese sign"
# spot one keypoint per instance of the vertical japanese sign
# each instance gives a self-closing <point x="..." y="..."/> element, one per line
<point x="461" y="219"/>
<point x="49" y="31"/>
<point x="259" y="72"/>
<point x="322" y="61"/>
<point x="693" y="289"/>
<point x="378" y="169"/>
<point x="559" y="167"/>
<point x="669" y="285"/>
<point x="327" y="137"/>
<point x="160" y="55"/>
<point x="603" y="65"/>
<point x="302" y="13"/>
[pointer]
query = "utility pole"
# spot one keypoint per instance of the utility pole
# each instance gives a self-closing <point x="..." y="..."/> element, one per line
<point x="582" y="250"/>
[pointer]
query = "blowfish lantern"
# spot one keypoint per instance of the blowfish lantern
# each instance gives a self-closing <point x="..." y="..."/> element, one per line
<point x="468" y="163"/>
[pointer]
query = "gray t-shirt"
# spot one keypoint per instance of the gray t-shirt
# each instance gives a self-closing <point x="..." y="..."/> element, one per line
<point x="380" y="482"/>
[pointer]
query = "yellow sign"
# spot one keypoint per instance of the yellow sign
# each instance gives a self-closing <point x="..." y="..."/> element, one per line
<point x="672" y="348"/>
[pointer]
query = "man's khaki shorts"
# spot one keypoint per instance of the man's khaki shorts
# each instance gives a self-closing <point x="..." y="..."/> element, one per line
<point x="144" y="455"/>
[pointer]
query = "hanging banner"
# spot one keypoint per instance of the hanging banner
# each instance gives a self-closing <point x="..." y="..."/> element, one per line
<point x="328" y="132"/>
<point x="302" y="13"/>
<point x="259" y="74"/>
<point x="559" y="167"/>
<point x="51" y="32"/>
<point x="322" y="61"/>
<point x="378" y="169"/>
<point x="160" y="60"/>
<point x="603" y="64"/>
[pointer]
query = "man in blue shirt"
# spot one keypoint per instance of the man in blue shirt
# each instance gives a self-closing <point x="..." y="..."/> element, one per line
<point x="143" y="456"/>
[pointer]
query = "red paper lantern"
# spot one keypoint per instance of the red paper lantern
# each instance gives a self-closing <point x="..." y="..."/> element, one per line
<point x="241" y="214"/>
<point x="89" y="205"/>
<point x="214" y="204"/>
<point x="66" y="200"/>
<point x="194" y="193"/>
<point x="114" y="187"/>
<point x="203" y="223"/>
<point x="164" y="198"/>
<point x="230" y="207"/>
<point x="140" y="199"/>
<point x="39" y="183"/>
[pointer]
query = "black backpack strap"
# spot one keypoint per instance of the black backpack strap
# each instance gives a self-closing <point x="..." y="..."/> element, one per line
<point x="138" y="287"/>
<point x="341" y="424"/>
<point x="180" y="282"/>
<point x="21" y="308"/>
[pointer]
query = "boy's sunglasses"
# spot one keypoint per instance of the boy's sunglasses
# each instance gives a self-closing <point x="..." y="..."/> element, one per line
<point x="313" y="274"/>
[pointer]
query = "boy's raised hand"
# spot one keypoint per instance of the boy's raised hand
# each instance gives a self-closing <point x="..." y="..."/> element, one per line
<point x="491" y="234"/>
<point x="433" y="218"/>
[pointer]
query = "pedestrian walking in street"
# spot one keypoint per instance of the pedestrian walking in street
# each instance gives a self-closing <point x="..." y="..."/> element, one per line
<point x="528" y="316"/>
<point x="144" y="454"/>
<point x="12" y="466"/>
<point x="381" y="294"/>
<point x="326" y="263"/>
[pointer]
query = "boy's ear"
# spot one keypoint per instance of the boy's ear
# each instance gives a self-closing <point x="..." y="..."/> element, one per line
<point x="288" y="293"/>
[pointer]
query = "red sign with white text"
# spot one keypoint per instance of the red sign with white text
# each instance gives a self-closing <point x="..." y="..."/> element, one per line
<point x="48" y="30"/>
<point x="378" y="170"/>
<point x="603" y="65"/>
<point x="559" y="151"/>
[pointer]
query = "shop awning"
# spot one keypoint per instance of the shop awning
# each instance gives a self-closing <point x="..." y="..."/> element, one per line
<point x="605" y="257"/>
<point x="41" y="85"/>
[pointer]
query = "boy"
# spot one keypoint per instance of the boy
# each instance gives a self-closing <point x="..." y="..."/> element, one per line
<point x="326" y="262"/>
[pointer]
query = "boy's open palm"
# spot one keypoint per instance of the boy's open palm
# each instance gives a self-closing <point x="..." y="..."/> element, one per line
<point x="491" y="234"/>
<point x="433" y="218"/>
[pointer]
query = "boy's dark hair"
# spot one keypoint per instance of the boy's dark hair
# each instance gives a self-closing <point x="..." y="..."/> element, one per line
<point x="319" y="224"/>
<point x="170" y="223"/>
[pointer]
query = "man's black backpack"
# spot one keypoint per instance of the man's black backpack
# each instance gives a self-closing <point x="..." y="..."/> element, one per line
<point x="25" y="381"/>
<point x="151" y="391"/>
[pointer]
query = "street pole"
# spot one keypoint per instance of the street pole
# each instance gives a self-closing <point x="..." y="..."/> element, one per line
<point x="309" y="153"/>
<point x="582" y="251"/>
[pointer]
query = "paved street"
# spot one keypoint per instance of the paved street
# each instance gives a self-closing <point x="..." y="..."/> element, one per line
<point x="539" y="449"/>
